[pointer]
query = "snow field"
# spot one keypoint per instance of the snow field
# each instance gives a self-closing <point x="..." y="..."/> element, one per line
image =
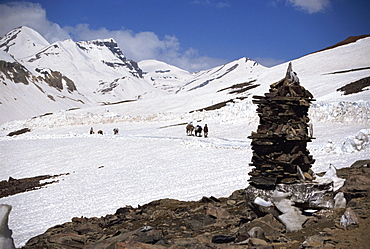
<point x="151" y="158"/>
<point x="141" y="164"/>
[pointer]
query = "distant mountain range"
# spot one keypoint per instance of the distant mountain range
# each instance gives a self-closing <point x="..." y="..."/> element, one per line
<point x="38" y="77"/>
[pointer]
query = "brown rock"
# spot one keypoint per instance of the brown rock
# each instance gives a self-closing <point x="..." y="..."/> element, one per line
<point x="218" y="212"/>
<point x="257" y="242"/>
<point x="271" y="227"/>
<point x="308" y="176"/>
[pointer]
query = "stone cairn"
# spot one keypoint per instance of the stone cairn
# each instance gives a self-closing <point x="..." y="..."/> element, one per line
<point x="279" y="145"/>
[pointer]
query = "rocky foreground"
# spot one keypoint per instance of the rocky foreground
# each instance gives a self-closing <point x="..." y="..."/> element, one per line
<point x="220" y="223"/>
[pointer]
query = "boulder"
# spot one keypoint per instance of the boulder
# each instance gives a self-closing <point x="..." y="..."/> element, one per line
<point x="267" y="228"/>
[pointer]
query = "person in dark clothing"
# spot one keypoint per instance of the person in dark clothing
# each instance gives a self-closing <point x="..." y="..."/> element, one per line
<point x="198" y="131"/>
<point x="205" y="130"/>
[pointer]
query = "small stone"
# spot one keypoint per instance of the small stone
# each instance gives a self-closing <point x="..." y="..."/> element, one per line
<point x="231" y="202"/>
<point x="308" y="176"/>
<point x="221" y="239"/>
<point x="349" y="218"/>
<point x="257" y="242"/>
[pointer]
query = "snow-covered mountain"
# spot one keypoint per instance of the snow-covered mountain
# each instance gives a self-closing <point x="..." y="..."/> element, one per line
<point x="165" y="76"/>
<point x="22" y="42"/>
<point x="68" y="75"/>
<point x="64" y="75"/>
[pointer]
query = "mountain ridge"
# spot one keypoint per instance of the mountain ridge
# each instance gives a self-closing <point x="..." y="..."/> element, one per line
<point x="348" y="40"/>
<point x="68" y="74"/>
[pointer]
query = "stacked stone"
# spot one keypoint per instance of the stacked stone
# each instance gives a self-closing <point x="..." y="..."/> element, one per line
<point x="279" y="145"/>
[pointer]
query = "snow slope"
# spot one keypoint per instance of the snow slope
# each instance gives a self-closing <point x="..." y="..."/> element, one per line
<point x="164" y="76"/>
<point x="22" y="42"/>
<point x="102" y="75"/>
<point x="97" y="67"/>
<point x="151" y="158"/>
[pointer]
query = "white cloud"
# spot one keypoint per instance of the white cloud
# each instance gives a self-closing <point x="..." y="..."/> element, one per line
<point x="135" y="46"/>
<point x="147" y="45"/>
<point x="310" y="6"/>
<point x="16" y="14"/>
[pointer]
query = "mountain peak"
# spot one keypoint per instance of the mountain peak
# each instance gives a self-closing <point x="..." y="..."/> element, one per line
<point x="22" y="42"/>
<point x="110" y="43"/>
<point x="98" y="45"/>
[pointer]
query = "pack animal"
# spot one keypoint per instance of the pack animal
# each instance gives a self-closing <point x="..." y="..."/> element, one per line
<point x="189" y="129"/>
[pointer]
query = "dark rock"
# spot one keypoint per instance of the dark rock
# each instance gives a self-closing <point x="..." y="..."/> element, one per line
<point x="221" y="239"/>
<point x="16" y="72"/>
<point x="149" y="237"/>
<point x="261" y="211"/>
<point x="356" y="86"/>
<point x="14" y="186"/>
<point x="19" y="132"/>
<point x="209" y="199"/>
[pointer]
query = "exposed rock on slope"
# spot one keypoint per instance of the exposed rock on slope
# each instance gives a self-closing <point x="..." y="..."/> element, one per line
<point x="56" y="79"/>
<point x="15" y="186"/>
<point x="355" y="87"/>
<point x="14" y="72"/>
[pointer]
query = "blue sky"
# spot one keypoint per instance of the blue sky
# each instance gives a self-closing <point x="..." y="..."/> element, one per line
<point x="196" y="34"/>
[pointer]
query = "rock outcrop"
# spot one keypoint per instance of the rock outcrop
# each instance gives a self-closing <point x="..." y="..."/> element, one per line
<point x="14" y="186"/>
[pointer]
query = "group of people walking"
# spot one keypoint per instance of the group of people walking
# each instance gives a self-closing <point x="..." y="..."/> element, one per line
<point x="197" y="130"/>
<point x="190" y="128"/>
<point x="115" y="131"/>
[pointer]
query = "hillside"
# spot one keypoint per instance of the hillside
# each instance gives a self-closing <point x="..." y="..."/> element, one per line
<point x="68" y="75"/>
